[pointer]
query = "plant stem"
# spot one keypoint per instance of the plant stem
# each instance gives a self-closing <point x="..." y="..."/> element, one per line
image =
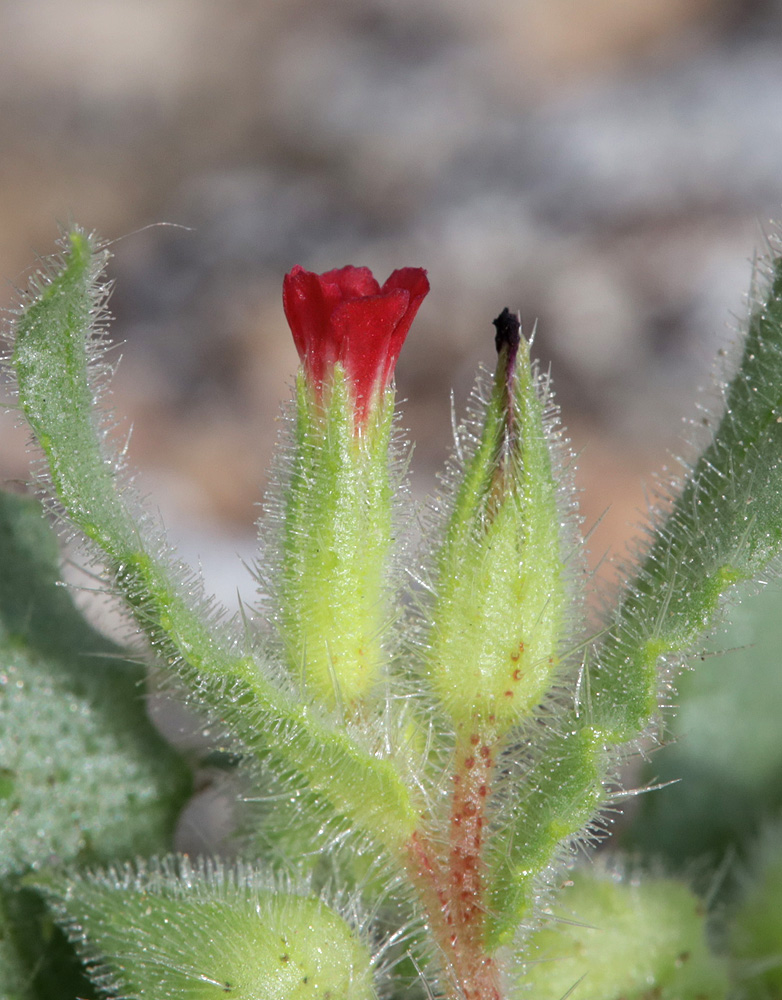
<point x="449" y="874"/>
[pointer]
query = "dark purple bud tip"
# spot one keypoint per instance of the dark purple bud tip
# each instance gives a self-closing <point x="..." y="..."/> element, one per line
<point x="508" y="332"/>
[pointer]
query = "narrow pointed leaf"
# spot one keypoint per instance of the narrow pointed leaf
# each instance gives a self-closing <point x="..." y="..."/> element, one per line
<point x="724" y="527"/>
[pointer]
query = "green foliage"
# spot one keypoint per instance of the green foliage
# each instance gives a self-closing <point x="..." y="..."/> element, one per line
<point x="14" y="972"/>
<point x="720" y="529"/>
<point x="725" y="526"/>
<point x="725" y="757"/>
<point x="622" y="939"/>
<point x="37" y="962"/>
<point x="464" y="746"/>
<point x="209" y="933"/>
<point x="559" y="796"/>
<point x="85" y="776"/>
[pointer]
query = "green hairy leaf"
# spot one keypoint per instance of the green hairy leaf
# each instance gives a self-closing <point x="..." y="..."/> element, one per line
<point x="84" y="772"/>
<point x="84" y="775"/>
<point x="724" y="527"/>
<point x="210" y="932"/>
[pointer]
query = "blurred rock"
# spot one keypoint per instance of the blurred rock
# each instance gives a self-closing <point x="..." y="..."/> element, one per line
<point x="599" y="164"/>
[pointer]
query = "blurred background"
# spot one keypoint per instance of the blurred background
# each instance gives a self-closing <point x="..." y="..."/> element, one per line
<point x="608" y="167"/>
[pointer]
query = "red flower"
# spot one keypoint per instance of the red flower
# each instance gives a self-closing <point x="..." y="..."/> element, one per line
<point x="345" y="316"/>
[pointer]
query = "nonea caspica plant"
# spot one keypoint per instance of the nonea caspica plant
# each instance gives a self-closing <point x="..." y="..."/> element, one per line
<point x="430" y="733"/>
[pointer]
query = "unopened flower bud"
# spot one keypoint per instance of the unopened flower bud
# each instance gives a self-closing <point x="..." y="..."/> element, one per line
<point x="498" y="619"/>
<point x="334" y="608"/>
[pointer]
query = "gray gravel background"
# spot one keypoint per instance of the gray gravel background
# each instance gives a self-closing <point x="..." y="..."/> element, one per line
<point x="606" y="166"/>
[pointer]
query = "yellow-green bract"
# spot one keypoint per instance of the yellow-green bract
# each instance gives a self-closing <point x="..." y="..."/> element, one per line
<point x="333" y="594"/>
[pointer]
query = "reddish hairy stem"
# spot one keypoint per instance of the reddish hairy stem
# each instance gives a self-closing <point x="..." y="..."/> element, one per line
<point x="450" y="878"/>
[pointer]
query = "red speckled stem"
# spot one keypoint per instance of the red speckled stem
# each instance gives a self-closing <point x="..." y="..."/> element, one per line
<point x="450" y="877"/>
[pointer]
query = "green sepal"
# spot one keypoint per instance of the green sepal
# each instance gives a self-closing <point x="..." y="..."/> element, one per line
<point x="624" y="939"/>
<point x="334" y="607"/>
<point x="498" y="620"/>
<point x="724" y="527"/>
<point x="173" y="931"/>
